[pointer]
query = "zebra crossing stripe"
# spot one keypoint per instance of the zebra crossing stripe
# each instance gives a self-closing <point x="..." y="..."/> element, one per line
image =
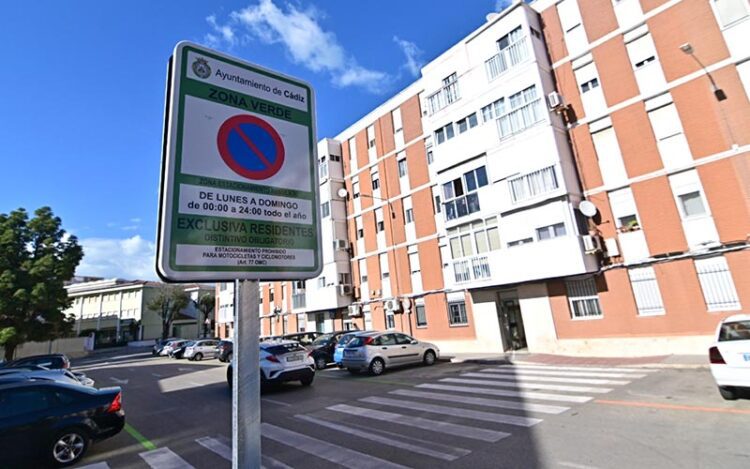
<point x="453" y="429"/>
<point x="582" y="374"/>
<point x="509" y="384"/>
<point x="324" y="450"/>
<point x="523" y="366"/>
<point x="497" y="403"/>
<point x="550" y="379"/>
<point x="454" y="453"/>
<point x="267" y="462"/>
<point x="502" y="392"/>
<point x="217" y="446"/>
<point x="455" y="411"/>
<point x="96" y="465"/>
<point x="164" y="458"/>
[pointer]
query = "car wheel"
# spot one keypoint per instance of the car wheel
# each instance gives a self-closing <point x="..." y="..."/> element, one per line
<point x="728" y="393"/>
<point x="320" y="363"/>
<point x="198" y="356"/>
<point x="68" y="447"/>
<point x="429" y="358"/>
<point x="307" y="381"/>
<point x="377" y="367"/>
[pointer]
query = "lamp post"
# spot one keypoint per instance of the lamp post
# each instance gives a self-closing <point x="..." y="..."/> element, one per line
<point x="718" y="92"/>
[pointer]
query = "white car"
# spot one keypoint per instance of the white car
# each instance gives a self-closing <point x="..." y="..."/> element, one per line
<point x="200" y="349"/>
<point x="282" y="361"/>
<point x="730" y="355"/>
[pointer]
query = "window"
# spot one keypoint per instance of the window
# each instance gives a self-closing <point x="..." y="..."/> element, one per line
<point x="691" y="204"/>
<point x="390" y="323"/>
<point x="371" y="136"/>
<point x="717" y="284"/>
<point x="551" y="231"/>
<point x="353" y="152"/>
<point x="584" y="299"/>
<point x="355" y="189"/>
<point x="345" y="279"/>
<point x="321" y="282"/>
<point x="270" y="295"/>
<point x="735" y="330"/>
<point x="511" y="51"/>
<point x="375" y="180"/>
<point x="359" y="227"/>
<point x="457" y="313"/>
<point x="362" y="271"/>
<point x="519" y="242"/>
<point x="438" y="205"/>
<point x="646" y="291"/>
<point x="384" y="271"/>
<point x="744" y="70"/>
<point x="624" y="209"/>
<point x="524" y="111"/>
<point x="402" y="167"/>
<point x="333" y="157"/>
<point x="325" y="209"/>
<point x="467" y="123"/>
<point x="460" y="194"/>
<point x="687" y="189"/>
<point x="445" y="95"/>
<point x="533" y="184"/>
<point x="570" y="20"/>
<point x="413" y="261"/>
<point x="479" y="236"/>
<point x="731" y="11"/>
<point x="590" y="85"/>
<point x="670" y="138"/>
<point x="409" y="215"/>
<point x="430" y="157"/>
<point x="379" y="223"/>
<point x="421" y="316"/>
<point x="396" y="119"/>
<point x="493" y="110"/>
<point x="608" y="154"/>
<point x="641" y="51"/>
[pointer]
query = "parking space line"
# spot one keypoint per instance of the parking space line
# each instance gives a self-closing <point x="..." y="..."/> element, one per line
<point x="324" y="450"/>
<point x="497" y="403"/>
<point x="502" y="392"/>
<point x="512" y="384"/>
<point x="657" y="405"/>
<point x="549" y="379"/>
<point x="217" y="446"/>
<point x="145" y="442"/>
<point x="164" y="458"/>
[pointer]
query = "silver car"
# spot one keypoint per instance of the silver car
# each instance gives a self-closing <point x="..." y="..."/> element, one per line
<point x="201" y="349"/>
<point x="376" y="351"/>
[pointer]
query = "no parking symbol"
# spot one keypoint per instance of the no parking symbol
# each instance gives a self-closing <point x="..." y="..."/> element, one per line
<point x="250" y="146"/>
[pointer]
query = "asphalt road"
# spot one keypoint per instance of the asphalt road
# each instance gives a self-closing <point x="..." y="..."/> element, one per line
<point x="448" y="415"/>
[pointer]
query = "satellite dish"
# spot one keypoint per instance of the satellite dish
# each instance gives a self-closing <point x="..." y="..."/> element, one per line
<point x="587" y="208"/>
<point x="342" y="193"/>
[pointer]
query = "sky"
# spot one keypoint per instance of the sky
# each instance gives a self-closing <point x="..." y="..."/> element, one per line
<point x="83" y="86"/>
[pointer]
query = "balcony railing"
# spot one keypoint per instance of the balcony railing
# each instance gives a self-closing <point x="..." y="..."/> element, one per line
<point x="475" y="268"/>
<point x="443" y="97"/>
<point x="505" y="59"/>
<point x="298" y="300"/>
<point x="520" y="118"/>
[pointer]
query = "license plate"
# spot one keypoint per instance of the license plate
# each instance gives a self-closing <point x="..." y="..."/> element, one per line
<point x="746" y="356"/>
<point x="294" y="358"/>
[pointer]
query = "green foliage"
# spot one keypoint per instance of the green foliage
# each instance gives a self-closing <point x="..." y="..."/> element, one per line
<point x="206" y="304"/>
<point x="168" y="301"/>
<point x="36" y="257"/>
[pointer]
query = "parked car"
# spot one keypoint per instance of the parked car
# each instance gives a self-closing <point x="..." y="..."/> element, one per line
<point x="52" y="361"/>
<point x="323" y="347"/>
<point x="200" y="349"/>
<point x="304" y="338"/>
<point x="178" y="349"/>
<point x="282" y="361"/>
<point x="376" y="351"/>
<point x="172" y="345"/>
<point x="160" y="344"/>
<point x="338" y="352"/>
<point x="55" y="422"/>
<point x="268" y="338"/>
<point x="730" y="356"/>
<point x="225" y="349"/>
<point x="8" y="375"/>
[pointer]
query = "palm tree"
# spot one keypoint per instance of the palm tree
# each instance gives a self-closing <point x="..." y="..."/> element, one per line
<point x="206" y="304"/>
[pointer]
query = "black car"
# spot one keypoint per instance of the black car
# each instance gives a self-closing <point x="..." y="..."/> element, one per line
<point x="8" y="375"/>
<point x="53" y="361"/>
<point x="226" y="347"/>
<point x="179" y="350"/>
<point x="323" y="348"/>
<point x="47" y="423"/>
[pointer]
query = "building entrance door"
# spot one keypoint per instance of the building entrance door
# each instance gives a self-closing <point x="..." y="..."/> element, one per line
<point x="511" y="321"/>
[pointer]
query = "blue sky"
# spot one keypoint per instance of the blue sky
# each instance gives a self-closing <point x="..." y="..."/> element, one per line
<point x="83" y="91"/>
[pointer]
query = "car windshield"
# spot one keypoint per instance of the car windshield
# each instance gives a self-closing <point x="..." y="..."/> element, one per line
<point x="281" y="349"/>
<point x="323" y="340"/>
<point x="739" y="330"/>
<point x="190" y="344"/>
<point x="356" y="341"/>
<point x="345" y="339"/>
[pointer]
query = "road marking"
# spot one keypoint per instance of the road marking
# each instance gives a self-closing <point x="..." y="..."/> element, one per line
<point x="578" y="368"/>
<point x="551" y="379"/>
<point x="656" y="405"/>
<point x="119" y="381"/>
<point x="512" y="384"/>
<point x="267" y="462"/>
<point x="502" y="392"/>
<point x="583" y="374"/>
<point x="272" y="401"/>
<point x="497" y="403"/>
<point x="145" y="442"/>
<point x="575" y="465"/>
<point x="425" y="424"/>
<point x="455" y="411"/>
<point x="156" y="375"/>
<point x="164" y="458"/>
<point x="217" y="446"/>
<point x="324" y="450"/>
<point x="456" y="452"/>
<point x="98" y="465"/>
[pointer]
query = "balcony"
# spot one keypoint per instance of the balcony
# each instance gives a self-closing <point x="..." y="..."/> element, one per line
<point x="461" y="206"/>
<point x="475" y="268"/>
<point x="298" y="300"/>
<point x="505" y="59"/>
<point x="443" y="97"/>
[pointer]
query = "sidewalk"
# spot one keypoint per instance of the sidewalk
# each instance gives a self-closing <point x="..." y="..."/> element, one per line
<point x="657" y="362"/>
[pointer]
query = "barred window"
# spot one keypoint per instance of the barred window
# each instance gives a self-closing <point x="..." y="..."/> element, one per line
<point x="584" y="299"/>
<point x="717" y="284"/>
<point x="646" y="291"/>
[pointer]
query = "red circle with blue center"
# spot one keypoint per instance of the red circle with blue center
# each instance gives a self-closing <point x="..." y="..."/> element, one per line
<point x="250" y="146"/>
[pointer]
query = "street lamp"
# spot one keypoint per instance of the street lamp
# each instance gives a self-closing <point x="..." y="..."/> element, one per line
<point x="687" y="48"/>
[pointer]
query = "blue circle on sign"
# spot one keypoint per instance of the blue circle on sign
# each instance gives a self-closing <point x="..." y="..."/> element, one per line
<point x="250" y="146"/>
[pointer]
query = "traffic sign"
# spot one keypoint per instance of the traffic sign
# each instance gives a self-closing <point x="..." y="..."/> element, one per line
<point x="239" y="189"/>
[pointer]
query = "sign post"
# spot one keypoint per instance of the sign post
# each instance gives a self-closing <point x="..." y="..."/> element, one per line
<point x="238" y="197"/>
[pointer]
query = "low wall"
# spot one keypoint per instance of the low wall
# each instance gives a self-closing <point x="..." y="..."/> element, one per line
<point x="628" y="346"/>
<point x="73" y="347"/>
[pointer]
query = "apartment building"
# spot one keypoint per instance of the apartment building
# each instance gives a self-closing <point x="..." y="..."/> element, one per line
<point x="572" y="176"/>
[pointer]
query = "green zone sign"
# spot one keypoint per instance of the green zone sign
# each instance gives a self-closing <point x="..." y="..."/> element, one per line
<point x="239" y="188"/>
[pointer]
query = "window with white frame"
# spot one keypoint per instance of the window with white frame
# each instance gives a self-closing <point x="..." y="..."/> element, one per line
<point x="592" y="97"/>
<point x="371" y="136"/>
<point x="624" y="209"/>
<point x="519" y="242"/>
<point x="355" y="188"/>
<point x="645" y="61"/>
<point x="402" y="168"/>
<point x="446" y="95"/>
<point x="421" y="315"/>
<point x="524" y="110"/>
<point x="408" y="210"/>
<point x="321" y="282"/>
<point x="445" y="133"/>
<point x="717" y="284"/>
<point x="390" y="320"/>
<point x="730" y="12"/>
<point x="457" y="313"/>
<point x="583" y="298"/>
<point x="375" y="177"/>
<point x="646" y="291"/>
<point x="533" y="184"/>
<point x="670" y="138"/>
<point x="744" y="71"/>
<point x="550" y="231"/>
<point x="362" y="271"/>
<point x="511" y="51"/>
<point x="359" y="227"/>
<point x="641" y="51"/>
<point x="438" y="205"/>
<point x="396" y="119"/>
<point x="493" y="110"/>
<point x="467" y="123"/>
<point x="572" y="26"/>
<point x="476" y="237"/>
<point x="414" y="260"/>
<point x="379" y="223"/>
<point x="384" y="270"/>
<point x="688" y="193"/>
<point x="430" y="156"/>
<point x="325" y="209"/>
<point x="345" y="278"/>
<point x="608" y="152"/>
<point x="460" y="194"/>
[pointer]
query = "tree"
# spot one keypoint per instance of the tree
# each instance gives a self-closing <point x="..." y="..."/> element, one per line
<point x="169" y="301"/>
<point x="206" y="304"/>
<point x="36" y="258"/>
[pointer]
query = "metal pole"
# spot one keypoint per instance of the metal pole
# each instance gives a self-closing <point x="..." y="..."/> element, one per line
<point x="246" y="379"/>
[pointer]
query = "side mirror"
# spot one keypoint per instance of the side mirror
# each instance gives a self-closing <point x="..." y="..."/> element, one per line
<point x="415" y="341"/>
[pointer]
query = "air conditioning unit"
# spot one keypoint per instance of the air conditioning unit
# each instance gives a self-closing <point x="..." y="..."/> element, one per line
<point x="345" y="290"/>
<point x="393" y="305"/>
<point x="355" y="310"/>
<point x="555" y="101"/>
<point x="613" y="250"/>
<point x="340" y="244"/>
<point x="591" y="244"/>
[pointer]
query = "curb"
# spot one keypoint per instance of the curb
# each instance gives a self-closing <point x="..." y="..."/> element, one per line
<point x="654" y="366"/>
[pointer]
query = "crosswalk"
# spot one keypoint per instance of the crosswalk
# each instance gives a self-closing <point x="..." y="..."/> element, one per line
<point x="441" y="420"/>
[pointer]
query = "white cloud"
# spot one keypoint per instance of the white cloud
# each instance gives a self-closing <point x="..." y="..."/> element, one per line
<point x="413" y="55"/>
<point x="135" y="220"/>
<point x="303" y="38"/>
<point x="501" y="5"/>
<point x="129" y="258"/>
